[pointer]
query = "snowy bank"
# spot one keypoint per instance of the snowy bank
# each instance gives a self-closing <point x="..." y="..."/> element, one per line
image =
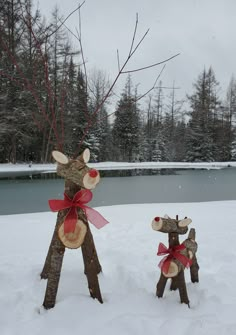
<point x="8" y="170"/>
<point x="127" y="251"/>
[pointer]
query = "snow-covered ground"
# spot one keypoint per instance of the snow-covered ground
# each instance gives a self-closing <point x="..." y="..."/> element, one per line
<point x="7" y="170"/>
<point x="127" y="249"/>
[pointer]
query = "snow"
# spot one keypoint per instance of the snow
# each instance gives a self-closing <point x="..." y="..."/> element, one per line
<point x="7" y="170"/>
<point x="127" y="249"/>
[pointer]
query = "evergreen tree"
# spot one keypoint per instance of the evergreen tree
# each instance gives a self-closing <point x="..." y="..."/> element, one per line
<point x="101" y="127"/>
<point x="201" y="137"/>
<point x="126" y="126"/>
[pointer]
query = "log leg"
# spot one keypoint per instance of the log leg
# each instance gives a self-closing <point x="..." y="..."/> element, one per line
<point x="46" y="267"/>
<point x="94" y="255"/>
<point x="174" y="284"/>
<point x="194" y="270"/>
<point x="182" y="288"/>
<point x="91" y="267"/>
<point x="54" y="275"/>
<point x="161" y="286"/>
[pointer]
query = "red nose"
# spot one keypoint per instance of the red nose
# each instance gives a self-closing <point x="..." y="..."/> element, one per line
<point x="93" y="173"/>
<point x="157" y="219"/>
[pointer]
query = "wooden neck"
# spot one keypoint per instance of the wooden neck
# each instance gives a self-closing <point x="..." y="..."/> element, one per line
<point x="173" y="239"/>
<point x="71" y="188"/>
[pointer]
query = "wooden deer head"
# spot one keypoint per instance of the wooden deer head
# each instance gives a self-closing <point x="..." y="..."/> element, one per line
<point x="177" y="256"/>
<point x="72" y="227"/>
<point x="76" y="170"/>
<point x="168" y="225"/>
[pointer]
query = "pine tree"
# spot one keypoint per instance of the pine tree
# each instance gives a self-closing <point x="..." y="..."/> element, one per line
<point x="101" y="129"/>
<point x="201" y="137"/>
<point x="127" y="126"/>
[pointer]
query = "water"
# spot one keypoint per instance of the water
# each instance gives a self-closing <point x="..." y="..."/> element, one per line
<point x="29" y="196"/>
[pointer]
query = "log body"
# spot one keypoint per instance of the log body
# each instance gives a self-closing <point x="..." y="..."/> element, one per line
<point x="54" y="259"/>
<point x="174" y="228"/>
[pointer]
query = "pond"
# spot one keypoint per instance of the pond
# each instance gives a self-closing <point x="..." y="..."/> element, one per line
<point x="32" y="195"/>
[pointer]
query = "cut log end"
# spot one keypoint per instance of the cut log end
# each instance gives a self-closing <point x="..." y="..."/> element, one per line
<point x="157" y="223"/>
<point x="73" y="240"/>
<point x="172" y="272"/>
<point x="60" y="157"/>
<point x="90" y="181"/>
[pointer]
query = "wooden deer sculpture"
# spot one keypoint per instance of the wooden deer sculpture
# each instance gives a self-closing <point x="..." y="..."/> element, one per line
<point x="178" y="256"/>
<point x="72" y="228"/>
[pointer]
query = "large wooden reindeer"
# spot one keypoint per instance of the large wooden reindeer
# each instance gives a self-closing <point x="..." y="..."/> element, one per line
<point x="72" y="228"/>
<point x="177" y="256"/>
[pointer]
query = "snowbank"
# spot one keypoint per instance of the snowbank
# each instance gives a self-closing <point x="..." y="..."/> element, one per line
<point x="8" y="170"/>
<point x="127" y="250"/>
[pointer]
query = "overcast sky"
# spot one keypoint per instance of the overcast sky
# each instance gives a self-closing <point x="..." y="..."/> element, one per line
<point x="202" y="31"/>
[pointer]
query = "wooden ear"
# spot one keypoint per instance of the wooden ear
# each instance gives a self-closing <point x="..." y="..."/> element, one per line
<point x="184" y="222"/>
<point x="60" y="157"/>
<point x="85" y="156"/>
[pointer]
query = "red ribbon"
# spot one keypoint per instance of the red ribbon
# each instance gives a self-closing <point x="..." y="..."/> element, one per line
<point x="173" y="252"/>
<point x="80" y="199"/>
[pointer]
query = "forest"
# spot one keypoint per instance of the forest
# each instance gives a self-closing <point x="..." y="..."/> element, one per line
<point x="47" y="101"/>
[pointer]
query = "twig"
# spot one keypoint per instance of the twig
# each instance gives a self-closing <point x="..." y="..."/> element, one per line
<point x="150" y="66"/>
<point x="118" y="59"/>
<point x="134" y="35"/>
<point x="71" y="13"/>
<point x="154" y="85"/>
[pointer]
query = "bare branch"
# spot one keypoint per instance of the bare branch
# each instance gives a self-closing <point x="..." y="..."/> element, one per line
<point x="141" y="40"/>
<point x="71" y="13"/>
<point x="154" y="85"/>
<point x="150" y="66"/>
<point x="134" y="34"/>
<point x="118" y="59"/>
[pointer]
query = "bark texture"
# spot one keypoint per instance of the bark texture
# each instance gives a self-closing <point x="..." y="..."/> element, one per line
<point x="91" y="266"/>
<point x="161" y="286"/>
<point x="194" y="270"/>
<point x="54" y="275"/>
<point x="74" y="171"/>
<point x="46" y="268"/>
<point x="169" y="225"/>
<point x="182" y="288"/>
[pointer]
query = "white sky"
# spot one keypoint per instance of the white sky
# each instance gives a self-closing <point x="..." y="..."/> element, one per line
<point x="202" y="31"/>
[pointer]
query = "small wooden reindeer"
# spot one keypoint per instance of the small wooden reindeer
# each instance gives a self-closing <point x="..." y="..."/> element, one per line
<point x="72" y="228"/>
<point x="178" y="256"/>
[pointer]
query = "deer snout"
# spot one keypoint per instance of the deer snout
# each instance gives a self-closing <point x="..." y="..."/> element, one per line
<point x="91" y="179"/>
